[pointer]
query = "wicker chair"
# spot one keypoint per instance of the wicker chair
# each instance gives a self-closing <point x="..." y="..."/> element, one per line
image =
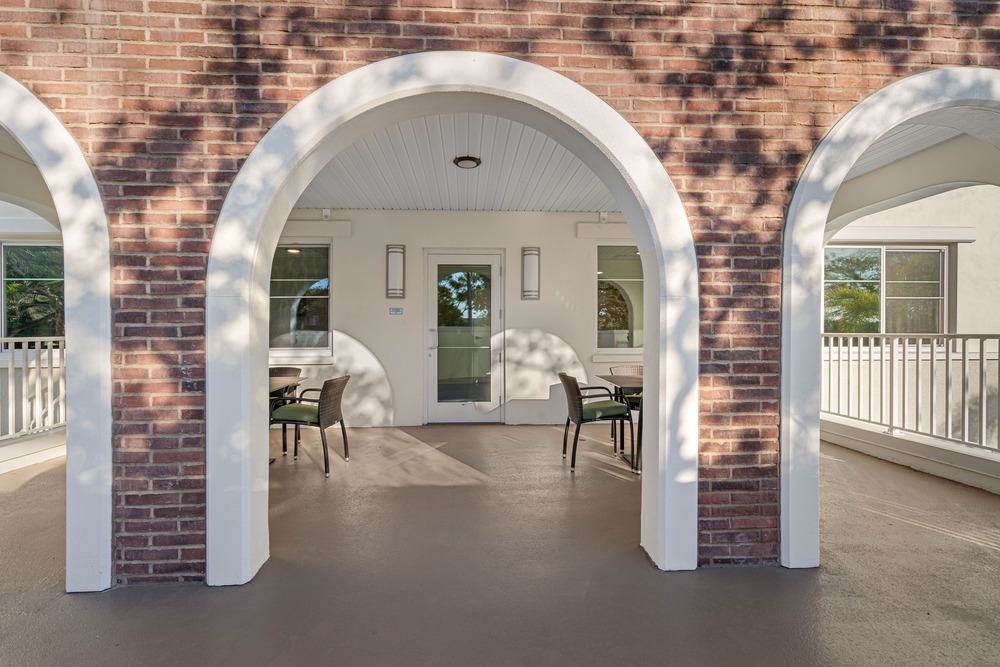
<point x="323" y="413"/>
<point x="586" y="405"/>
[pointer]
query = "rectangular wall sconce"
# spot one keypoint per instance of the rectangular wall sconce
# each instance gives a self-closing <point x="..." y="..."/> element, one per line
<point x="530" y="273"/>
<point x="395" y="271"/>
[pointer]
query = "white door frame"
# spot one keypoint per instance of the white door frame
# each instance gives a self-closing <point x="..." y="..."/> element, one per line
<point x="492" y="412"/>
<point x="79" y="211"/>
<point x="288" y="158"/>
<point x="802" y="279"/>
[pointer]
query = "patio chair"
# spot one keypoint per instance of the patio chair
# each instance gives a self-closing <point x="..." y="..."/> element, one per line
<point x="323" y="413"/>
<point x="283" y="371"/>
<point x="586" y="405"/>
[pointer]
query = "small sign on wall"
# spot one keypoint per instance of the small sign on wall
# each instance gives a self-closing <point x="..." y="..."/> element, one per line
<point x="395" y="311"/>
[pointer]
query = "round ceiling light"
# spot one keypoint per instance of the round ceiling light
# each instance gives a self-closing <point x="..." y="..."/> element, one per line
<point x="467" y="162"/>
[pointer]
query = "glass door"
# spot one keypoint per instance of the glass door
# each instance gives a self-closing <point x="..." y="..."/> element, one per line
<point x="465" y="341"/>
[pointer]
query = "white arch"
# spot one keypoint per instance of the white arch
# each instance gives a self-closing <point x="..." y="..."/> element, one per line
<point x="290" y="156"/>
<point x="84" y="225"/>
<point x="802" y="302"/>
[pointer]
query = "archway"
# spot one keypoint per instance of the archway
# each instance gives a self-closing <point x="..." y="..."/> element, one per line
<point x="959" y="97"/>
<point x="77" y="206"/>
<point x="287" y="160"/>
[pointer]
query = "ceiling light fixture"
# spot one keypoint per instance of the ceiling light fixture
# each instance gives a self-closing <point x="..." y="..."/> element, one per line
<point x="293" y="251"/>
<point x="467" y="162"/>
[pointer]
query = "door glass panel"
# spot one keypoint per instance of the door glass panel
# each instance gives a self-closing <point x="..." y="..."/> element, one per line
<point x="464" y="332"/>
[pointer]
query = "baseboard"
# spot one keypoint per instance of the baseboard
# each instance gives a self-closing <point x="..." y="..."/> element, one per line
<point x="965" y="464"/>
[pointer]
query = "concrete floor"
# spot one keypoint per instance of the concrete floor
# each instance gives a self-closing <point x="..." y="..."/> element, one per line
<point x="452" y="545"/>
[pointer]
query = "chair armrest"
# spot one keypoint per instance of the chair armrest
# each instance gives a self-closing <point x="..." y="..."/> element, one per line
<point x="597" y="391"/>
<point x="306" y="391"/>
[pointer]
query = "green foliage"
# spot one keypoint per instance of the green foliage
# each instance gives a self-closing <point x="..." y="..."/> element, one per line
<point x="463" y="296"/>
<point x="33" y="291"/>
<point x="35" y="308"/>
<point x="852" y="308"/>
<point x="612" y="308"/>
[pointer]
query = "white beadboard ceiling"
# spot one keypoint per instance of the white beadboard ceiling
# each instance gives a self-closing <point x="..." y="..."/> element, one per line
<point x="10" y="147"/>
<point x="900" y="142"/>
<point x="408" y="166"/>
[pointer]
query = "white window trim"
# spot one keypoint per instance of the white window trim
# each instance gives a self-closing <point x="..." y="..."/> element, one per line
<point x="308" y="355"/>
<point x="612" y="354"/>
<point x="883" y="247"/>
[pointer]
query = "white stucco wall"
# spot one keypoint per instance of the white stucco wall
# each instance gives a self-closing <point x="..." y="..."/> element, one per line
<point x="387" y="354"/>
<point x="975" y="282"/>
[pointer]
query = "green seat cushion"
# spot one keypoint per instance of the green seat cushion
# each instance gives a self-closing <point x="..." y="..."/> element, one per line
<point x="634" y="400"/>
<point x="297" y="412"/>
<point x="600" y="409"/>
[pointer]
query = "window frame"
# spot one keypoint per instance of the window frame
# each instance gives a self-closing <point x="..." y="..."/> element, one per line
<point x="945" y="273"/>
<point x="612" y="354"/>
<point x="305" y="355"/>
<point x="20" y="243"/>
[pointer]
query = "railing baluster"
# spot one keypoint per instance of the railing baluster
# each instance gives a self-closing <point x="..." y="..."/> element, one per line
<point x="851" y="376"/>
<point x="37" y="403"/>
<point x="982" y="392"/>
<point x="949" y="405"/>
<point x="904" y="385"/>
<point x="50" y="414"/>
<point x="892" y="383"/>
<point x="24" y="387"/>
<point x="11" y="412"/>
<point x="932" y="408"/>
<point x="996" y="415"/>
<point x="840" y="374"/>
<point x="62" y="382"/>
<point x="860" y="376"/>
<point x="965" y="390"/>
<point x="919" y="383"/>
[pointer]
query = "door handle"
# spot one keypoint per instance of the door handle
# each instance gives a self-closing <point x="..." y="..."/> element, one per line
<point x="434" y="346"/>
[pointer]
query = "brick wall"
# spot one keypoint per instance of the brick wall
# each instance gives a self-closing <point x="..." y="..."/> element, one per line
<point x="167" y="98"/>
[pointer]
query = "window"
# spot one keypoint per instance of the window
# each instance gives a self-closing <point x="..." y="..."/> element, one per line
<point x="33" y="297"/>
<point x="619" y="297"/>
<point x="300" y="297"/>
<point x="884" y="290"/>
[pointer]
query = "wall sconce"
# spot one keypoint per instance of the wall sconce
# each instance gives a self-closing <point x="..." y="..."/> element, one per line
<point x="530" y="273"/>
<point x="395" y="271"/>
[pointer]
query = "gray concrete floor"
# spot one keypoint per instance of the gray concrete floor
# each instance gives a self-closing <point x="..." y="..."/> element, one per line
<point x="454" y="545"/>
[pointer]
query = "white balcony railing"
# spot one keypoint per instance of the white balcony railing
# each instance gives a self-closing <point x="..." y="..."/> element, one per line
<point x="32" y="385"/>
<point x="944" y="386"/>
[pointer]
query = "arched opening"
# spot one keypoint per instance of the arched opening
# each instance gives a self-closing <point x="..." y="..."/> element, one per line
<point x="45" y="172"/>
<point x="930" y="133"/>
<point x="286" y="162"/>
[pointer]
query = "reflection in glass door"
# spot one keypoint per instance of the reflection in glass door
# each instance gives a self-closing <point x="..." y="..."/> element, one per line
<point x="466" y="338"/>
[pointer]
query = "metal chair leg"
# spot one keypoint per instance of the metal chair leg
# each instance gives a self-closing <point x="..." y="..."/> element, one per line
<point x="631" y="435"/>
<point x="326" y="452"/>
<point x="638" y="449"/>
<point x="576" y="438"/>
<point x="284" y="439"/>
<point x="347" y="454"/>
<point x="565" y="432"/>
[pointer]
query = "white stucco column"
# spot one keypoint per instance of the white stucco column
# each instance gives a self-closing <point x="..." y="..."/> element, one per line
<point x="87" y="264"/>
